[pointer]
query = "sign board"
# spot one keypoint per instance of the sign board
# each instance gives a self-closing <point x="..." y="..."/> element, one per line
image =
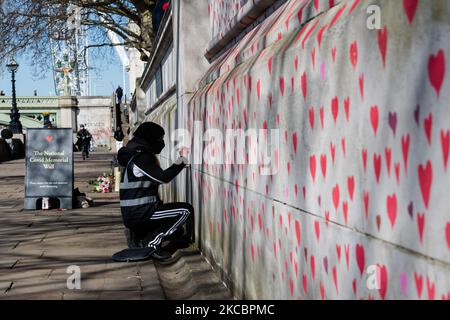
<point x="49" y="167"/>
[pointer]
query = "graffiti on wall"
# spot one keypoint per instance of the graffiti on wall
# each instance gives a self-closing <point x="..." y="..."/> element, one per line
<point x="358" y="207"/>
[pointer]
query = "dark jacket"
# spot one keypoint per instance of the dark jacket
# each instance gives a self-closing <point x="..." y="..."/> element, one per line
<point x="118" y="135"/>
<point x="139" y="193"/>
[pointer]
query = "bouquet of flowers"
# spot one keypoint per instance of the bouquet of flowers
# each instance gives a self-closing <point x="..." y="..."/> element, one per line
<point x="103" y="184"/>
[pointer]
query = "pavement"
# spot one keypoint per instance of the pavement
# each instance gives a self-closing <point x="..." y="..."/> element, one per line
<point x="40" y="249"/>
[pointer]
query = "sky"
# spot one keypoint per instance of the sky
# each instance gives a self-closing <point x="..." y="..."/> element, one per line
<point x="105" y="78"/>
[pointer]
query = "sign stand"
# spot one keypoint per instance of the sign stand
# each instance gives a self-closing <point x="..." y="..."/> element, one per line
<point x="49" y="167"/>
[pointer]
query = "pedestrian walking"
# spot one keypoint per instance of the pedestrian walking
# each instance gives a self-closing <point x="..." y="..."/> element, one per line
<point x="84" y="141"/>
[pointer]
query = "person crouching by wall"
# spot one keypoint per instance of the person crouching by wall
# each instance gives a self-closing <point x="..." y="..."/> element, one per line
<point x="149" y="220"/>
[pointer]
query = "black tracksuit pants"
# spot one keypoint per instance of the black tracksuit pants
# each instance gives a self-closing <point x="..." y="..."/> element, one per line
<point x="165" y="220"/>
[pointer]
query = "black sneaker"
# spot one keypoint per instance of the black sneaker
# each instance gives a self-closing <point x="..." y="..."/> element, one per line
<point x="161" y="255"/>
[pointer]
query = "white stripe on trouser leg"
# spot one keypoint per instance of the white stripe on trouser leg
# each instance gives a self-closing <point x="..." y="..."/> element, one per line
<point x="184" y="214"/>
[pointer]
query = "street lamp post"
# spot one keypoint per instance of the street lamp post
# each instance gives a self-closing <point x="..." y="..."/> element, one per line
<point x="15" y="124"/>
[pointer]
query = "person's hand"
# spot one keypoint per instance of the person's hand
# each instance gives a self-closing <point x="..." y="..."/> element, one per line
<point x="182" y="160"/>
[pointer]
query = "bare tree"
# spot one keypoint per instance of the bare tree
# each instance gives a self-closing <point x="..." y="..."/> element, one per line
<point x="28" y="26"/>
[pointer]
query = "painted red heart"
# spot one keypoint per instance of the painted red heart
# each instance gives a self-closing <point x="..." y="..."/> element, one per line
<point x="312" y="167"/>
<point x="347" y="255"/>
<point x="347" y="108"/>
<point x="397" y="172"/>
<point x="445" y="142"/>
<point x="374" y="117"/>
<point x="338" y="252"/>
<point x="428" y="127"/>
<point x="420" y="225"/>
<point x="354" y="54"/>
<point x="382" y="276"/>
<point x="258" y="89"/>
<point x="49" y="138"/>
<point x="317" y="230"/>
<point x="419" y="284"/>
<point x="311" y="117"/>
<point x="292" y="84"/>
<point x="360" y="258"/>
<point x="378" y="221"/>
<point x="405" y="149"/>
<point x="269" y="65"/>
<point x="323" y="165"/>
<point x="431" y="288"/>
<point x="336" y="196"/>
<point x="426" y="181"/>
<point x="377" y="166"/>
<point x="388" y="155"/>
<point x="313" y="58"/>
<point x="297" y="231"/>
<point x="333" y="151"/>
<point x="354" y="286"/>
<point x="383" y="43"/>
<point x="295" y="141"/>
<point x="361" y="86"/>
<point x="296" y="63"/>
<point x="391" y="205"/>
<point x="366" y="204"/>
<point x="335" y="108"/>
<point x="447" y="234"/>
<point x="345" y="211"/>
<point x="335" y="279"/>
<point x="322" y="117"/>
<point x="305" y="283"/>
<point x="333" y="54"/>
<point x="351" y="186"/>
<point x="410" y="7"/>
<point x="313" y="267"/>
<point x="436" y="70"/>
<point x="316" y="4"/>
<point x="322" y="291"/>
<point x="343" y="143"/>
<point x="304" y="85"/>
<point x="325" y="264"/>
<point x="282" y="86"/>
<point x="364" y="158"/>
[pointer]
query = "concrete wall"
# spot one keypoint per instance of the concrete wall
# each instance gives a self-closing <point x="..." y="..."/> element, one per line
<point x="360" y="175"/>
<point x="96" y="114"/>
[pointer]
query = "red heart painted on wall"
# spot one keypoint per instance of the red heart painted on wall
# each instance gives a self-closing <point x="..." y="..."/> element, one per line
<point x="336" y="197"/>
<point x="410" y="7"/>
<point x="374" y="117"/>
<point x="49" y="138"/>
<point x="425" y="181"/>
<point x="364" y="158"/>
<point x="295" y="141"/>
<point x="335" y="108"/>
<point x="311" y="117"/>
<point x="445" y="142"/>
<point x="347" y="108"/>
<point x="333" y="151"/>
<point x="297" y="231"/>
<point x="420" y="225"/>
<point x="382" y="276"/>
<point x="361" y="86"/>
<point x="419" y="284"/>
<point x="431" y="288"/>
<point x="321" y="117"/>
<point x="282" y="86"/>
<point x="312" y="167"/>
<point x="313" y="267"/>
<point x="351" y="186"/>
<point x="317" y="230"/>
<point x="354" y="54"/>
<point x="428" y="127"/>
<point x="335" y="279"/>
<point x="377" y="166"/>
<point x="447" y="234"/>
<point x="360" y="258"/>
<point x="304" y="85"/>
<point x="388" y="155"/>
<point x="383" y="43"/>
<point x="323" y="165"/>
<point x="436" y="70"/>
<point x="345" y="211"/>
<point x="405" y="149"/>
<point x="366" y="204"/>
<point x="391" y="205"/>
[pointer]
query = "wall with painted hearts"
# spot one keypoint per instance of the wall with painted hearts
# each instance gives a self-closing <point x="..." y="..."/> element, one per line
<point x="361" y="173"/>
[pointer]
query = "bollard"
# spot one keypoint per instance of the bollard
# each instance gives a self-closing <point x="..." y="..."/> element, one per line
<point x="116" y="179"/>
